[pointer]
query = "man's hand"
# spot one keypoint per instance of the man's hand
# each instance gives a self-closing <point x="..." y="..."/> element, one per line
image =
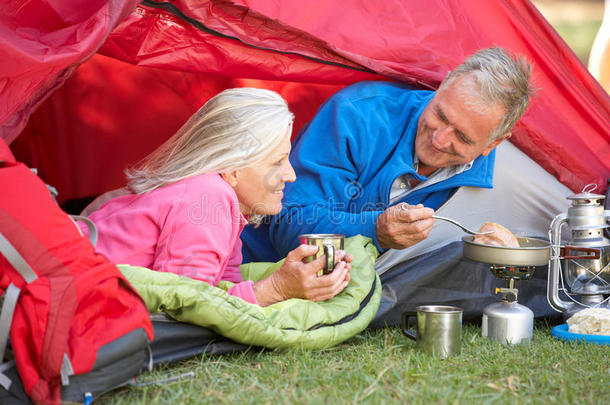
<point x="404" y="225"/>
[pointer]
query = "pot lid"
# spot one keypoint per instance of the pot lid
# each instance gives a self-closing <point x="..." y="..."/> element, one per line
<point x="587" y="194"/>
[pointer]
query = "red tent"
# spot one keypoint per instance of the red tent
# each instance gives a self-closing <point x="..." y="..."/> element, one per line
<point x="80" y="116"/>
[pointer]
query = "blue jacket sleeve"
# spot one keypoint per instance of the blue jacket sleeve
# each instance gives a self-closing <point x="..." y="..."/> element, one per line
<point x="327" y="157"/>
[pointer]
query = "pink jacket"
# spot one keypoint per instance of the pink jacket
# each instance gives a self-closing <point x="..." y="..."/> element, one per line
<point x="190" y="227"/>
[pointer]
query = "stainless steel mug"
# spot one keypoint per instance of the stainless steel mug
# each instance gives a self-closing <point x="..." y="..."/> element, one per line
<point x="439" y="329"/>
<point x="328" y="244"/>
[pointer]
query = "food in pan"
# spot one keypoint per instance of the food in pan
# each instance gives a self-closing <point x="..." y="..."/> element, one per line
<point x="500" y="236"/>
<point x="590" y="321"/>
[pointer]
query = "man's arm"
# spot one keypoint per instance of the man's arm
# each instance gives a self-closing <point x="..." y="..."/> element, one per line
<point x="335" y="157"/>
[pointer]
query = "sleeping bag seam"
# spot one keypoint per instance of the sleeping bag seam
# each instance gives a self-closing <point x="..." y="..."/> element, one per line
<point x="347" y="318"/>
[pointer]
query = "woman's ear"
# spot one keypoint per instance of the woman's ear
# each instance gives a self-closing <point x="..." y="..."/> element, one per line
<point x="231" y="177"/>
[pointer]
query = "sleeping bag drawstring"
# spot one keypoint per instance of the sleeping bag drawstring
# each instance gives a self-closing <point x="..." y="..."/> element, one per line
<point x="167" y="380"/>
<point x="184" y="376"/>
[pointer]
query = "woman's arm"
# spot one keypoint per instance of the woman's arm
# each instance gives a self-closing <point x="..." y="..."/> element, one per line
<point x="199" y="241"/>
<point x="200" y="235"/>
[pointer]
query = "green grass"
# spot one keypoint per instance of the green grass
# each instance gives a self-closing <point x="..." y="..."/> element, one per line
<point x="381" y="366"/>
<point x="579" y="36"/>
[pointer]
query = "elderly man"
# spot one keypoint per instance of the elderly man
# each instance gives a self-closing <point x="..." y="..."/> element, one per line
<point x="376" y="145"/>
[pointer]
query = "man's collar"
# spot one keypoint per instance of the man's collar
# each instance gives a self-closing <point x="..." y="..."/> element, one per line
<point x="455" y="169"/>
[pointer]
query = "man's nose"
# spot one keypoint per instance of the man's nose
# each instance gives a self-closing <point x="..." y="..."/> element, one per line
<point x="441" y="137"/>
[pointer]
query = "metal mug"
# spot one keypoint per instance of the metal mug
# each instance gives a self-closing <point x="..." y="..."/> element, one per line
<point x="328" y="244"/>
<point x="439" y="329"/>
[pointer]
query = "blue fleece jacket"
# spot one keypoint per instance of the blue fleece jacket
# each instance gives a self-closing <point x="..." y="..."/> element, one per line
<point x="346" y="159"/>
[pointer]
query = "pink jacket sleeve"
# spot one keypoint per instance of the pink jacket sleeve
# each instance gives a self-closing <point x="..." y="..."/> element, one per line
<point x="200" y="235"/>
<point x="232" y="272"/>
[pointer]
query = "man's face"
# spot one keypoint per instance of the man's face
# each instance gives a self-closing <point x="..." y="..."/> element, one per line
<point x="454" y="128"/>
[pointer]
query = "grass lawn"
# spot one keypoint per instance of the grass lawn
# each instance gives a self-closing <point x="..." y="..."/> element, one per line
<point x="381" y="366"/>
<point x="579" y="36"/>
<point x="576" y="21"/>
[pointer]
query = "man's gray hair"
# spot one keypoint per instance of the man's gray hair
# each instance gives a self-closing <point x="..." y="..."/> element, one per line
<point x="235" y="129"/>
<point x="502" y="79"/>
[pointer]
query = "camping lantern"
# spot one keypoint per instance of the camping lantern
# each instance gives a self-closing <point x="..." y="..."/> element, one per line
<point x="580" y="265"/>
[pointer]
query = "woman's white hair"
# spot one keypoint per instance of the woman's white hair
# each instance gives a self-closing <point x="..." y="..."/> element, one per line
<point x="235" y="129"/>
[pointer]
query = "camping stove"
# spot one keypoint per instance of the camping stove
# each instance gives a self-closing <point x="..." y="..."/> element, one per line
<point x="579" y="268"/>
<point x="508" y="321"/>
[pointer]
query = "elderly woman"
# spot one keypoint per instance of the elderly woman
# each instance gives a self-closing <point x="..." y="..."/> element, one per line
<point x="187" y="203"/>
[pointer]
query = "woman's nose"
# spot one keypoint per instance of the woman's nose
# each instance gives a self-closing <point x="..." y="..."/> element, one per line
<point x="288" y="175"/>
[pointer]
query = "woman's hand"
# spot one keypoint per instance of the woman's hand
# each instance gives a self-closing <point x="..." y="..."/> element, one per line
<point x="297" y="279"/>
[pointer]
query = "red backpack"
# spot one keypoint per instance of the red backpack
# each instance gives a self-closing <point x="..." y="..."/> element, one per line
<point x="72" y="310"/>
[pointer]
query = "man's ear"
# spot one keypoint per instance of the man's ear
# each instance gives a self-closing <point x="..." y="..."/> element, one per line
<point x="231" y="177"/>
<point x="495" y="143"/>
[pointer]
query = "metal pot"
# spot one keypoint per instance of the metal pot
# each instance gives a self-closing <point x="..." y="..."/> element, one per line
<point x="532" y="252"/>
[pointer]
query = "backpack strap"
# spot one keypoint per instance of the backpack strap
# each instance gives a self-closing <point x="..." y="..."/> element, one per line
<point x="90" y="225"/>
<point x="10" y="297"/>
<point x="5" y="381"/>
<point x="15" y="259"/>
<point x="66" y="370"/>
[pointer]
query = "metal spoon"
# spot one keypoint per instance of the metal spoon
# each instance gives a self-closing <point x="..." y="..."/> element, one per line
<point x="405" y="207"/>
<point x="462" y="226"/>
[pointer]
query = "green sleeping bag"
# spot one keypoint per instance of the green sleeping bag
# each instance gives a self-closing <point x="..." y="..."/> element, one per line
<point x="287" y="324"/>
<point x="291" y="323"/>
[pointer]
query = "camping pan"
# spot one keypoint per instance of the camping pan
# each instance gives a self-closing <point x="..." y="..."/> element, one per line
<point x="532" y="252"/>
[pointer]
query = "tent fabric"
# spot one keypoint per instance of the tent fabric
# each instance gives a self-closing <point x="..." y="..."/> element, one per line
<point x="218" y="36"/>
<point x="5" y="153"/>
<point x="176" y="341"/>
<point x="566" y="130"/>
<point x="85" y="152"/>
<point x="42" y="43"/>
